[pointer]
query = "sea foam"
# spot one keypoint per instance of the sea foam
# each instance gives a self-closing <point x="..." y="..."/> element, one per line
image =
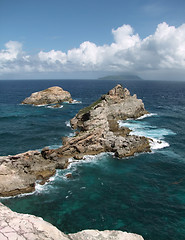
<point x="147" y="115"/>
<point x="142" y="128"/>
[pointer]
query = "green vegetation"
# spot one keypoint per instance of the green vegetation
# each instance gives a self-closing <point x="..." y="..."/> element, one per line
<point x="87" y="109"/>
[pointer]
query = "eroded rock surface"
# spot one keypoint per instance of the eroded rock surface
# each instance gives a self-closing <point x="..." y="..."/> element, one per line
<point x="19" y="173"/>
<point x="52" y="95"/>
<point x="99" y="130"/>
<point x="28" y="227"/>
<point x="104" y="235"/>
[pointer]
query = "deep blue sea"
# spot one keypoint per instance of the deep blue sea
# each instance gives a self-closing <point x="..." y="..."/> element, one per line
<point x="144" y="194"/>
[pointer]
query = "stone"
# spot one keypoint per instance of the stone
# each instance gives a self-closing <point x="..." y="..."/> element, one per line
<point x="99" y="128"/>
<point x="69" y="175"/>
<point x="98" y="132"/>
<point x="104" y="235"/>
<point x="24" y="226"/>
<point x="52" y="95"/>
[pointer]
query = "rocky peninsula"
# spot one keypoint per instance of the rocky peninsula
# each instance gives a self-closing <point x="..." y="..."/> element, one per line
<point x="97" y="131"/>
<point x="28" y="227"/>
<point x="52" y="95"/>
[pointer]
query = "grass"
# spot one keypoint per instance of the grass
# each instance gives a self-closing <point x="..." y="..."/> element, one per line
<point x="87" y="109"/>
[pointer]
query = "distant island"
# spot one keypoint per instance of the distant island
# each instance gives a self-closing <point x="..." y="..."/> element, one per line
<point x="121" y="77"/>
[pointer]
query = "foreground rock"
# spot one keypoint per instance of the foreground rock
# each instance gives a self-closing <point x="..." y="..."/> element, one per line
<point x="23" y="226"/>
<point x="98" y="131"/>
<point x="104" y="235"/>
<point x="52" y="95"/>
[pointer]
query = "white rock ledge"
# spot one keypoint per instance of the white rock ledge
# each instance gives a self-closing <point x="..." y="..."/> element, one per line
<point x="16" y="226"/>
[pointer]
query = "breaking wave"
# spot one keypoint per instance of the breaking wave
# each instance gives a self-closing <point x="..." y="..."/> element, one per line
<point x="143" y="128"/>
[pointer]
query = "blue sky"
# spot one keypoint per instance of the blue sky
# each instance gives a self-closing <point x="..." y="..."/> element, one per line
<point x="62" y="37"/>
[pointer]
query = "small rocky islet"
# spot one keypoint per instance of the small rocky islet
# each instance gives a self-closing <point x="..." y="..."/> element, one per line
<point x="97" y="131"/>
<point x="53" y="95"/>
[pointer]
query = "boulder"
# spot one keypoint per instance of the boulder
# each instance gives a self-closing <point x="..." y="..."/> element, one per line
<point x="52" y="95"/>
<point x="104" y="235"/>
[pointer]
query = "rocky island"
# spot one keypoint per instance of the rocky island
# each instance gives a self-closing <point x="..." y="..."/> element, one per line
<point x="52" y="95"/>
<point x="97" y="130"/>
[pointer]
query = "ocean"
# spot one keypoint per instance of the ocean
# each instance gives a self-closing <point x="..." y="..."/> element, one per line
<point x="144" y="194"/>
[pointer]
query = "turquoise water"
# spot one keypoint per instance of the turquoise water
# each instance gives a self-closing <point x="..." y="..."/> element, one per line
<point x="144" y="194"/>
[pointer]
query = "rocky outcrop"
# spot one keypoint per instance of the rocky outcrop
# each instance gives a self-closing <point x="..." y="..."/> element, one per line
<point x="19" y="173"/>
<point x="28" y="227"/>
<point x="52" y="95"/>
<point x="104" y="235"/>
<point x="99" y="130"/>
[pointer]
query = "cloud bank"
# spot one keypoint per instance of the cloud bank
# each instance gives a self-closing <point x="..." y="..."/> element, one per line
<point x="164" y="50"/>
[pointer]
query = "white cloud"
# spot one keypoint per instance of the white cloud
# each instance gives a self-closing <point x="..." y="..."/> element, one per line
<point x="163" y="50"/>
<point x="13" y="49"/>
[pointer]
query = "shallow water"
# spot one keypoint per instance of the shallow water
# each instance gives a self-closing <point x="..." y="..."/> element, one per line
<point x="142" y="194"/>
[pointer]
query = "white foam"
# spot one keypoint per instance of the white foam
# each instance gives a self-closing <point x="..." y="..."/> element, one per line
<point x="42" y="105"/>
<point x="142" y="128"/>
<point x="158" y="144"/>
<point x="48" y="185"/>
<point x="72" y="134"/>
<point x="19" y="195"/>
<point x="147" y="115"/>
<point x="76" y="102"/>
<point x="94" y="159"/>
<point x="68" y="124"/>
<point x="53" y="106"/>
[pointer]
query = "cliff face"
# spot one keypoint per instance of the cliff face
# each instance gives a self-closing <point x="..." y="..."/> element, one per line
<point x="23" y="226"/>
<point x="117" y="104"/>
<point x="52" y="95"/>
<point x="98" y="127"/>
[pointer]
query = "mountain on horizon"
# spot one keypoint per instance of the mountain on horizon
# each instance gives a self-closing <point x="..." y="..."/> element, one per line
<point x="121" y="77"/>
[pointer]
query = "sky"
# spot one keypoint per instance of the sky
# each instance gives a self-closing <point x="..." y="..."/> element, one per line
<point x="60" y="39"/>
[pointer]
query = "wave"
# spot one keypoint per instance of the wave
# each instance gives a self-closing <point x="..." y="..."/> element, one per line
<point x="51" y="184"/>
<point x="53" y="106"/>
<point x="142" y="128"/>
<point x="76" y="102"/>
<point x="68" y="124"/>
<point x="147" y="115"/>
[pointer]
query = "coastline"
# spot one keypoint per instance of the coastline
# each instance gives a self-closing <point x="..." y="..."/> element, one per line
<point x="97" y="132"/>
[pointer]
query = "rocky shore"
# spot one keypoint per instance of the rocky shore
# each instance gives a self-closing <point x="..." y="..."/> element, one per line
<point x="97" y="131"/>
<point x="52" y="95"/>
<point x="28" y="227"/>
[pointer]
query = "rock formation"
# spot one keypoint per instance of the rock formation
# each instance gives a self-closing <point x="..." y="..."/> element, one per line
<point x="19" y="173"/>
<point x="98" y="131"/>
<point x="104" y="235"/>
<point x="52" y="95"/>
<point x="28" y="227"/>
